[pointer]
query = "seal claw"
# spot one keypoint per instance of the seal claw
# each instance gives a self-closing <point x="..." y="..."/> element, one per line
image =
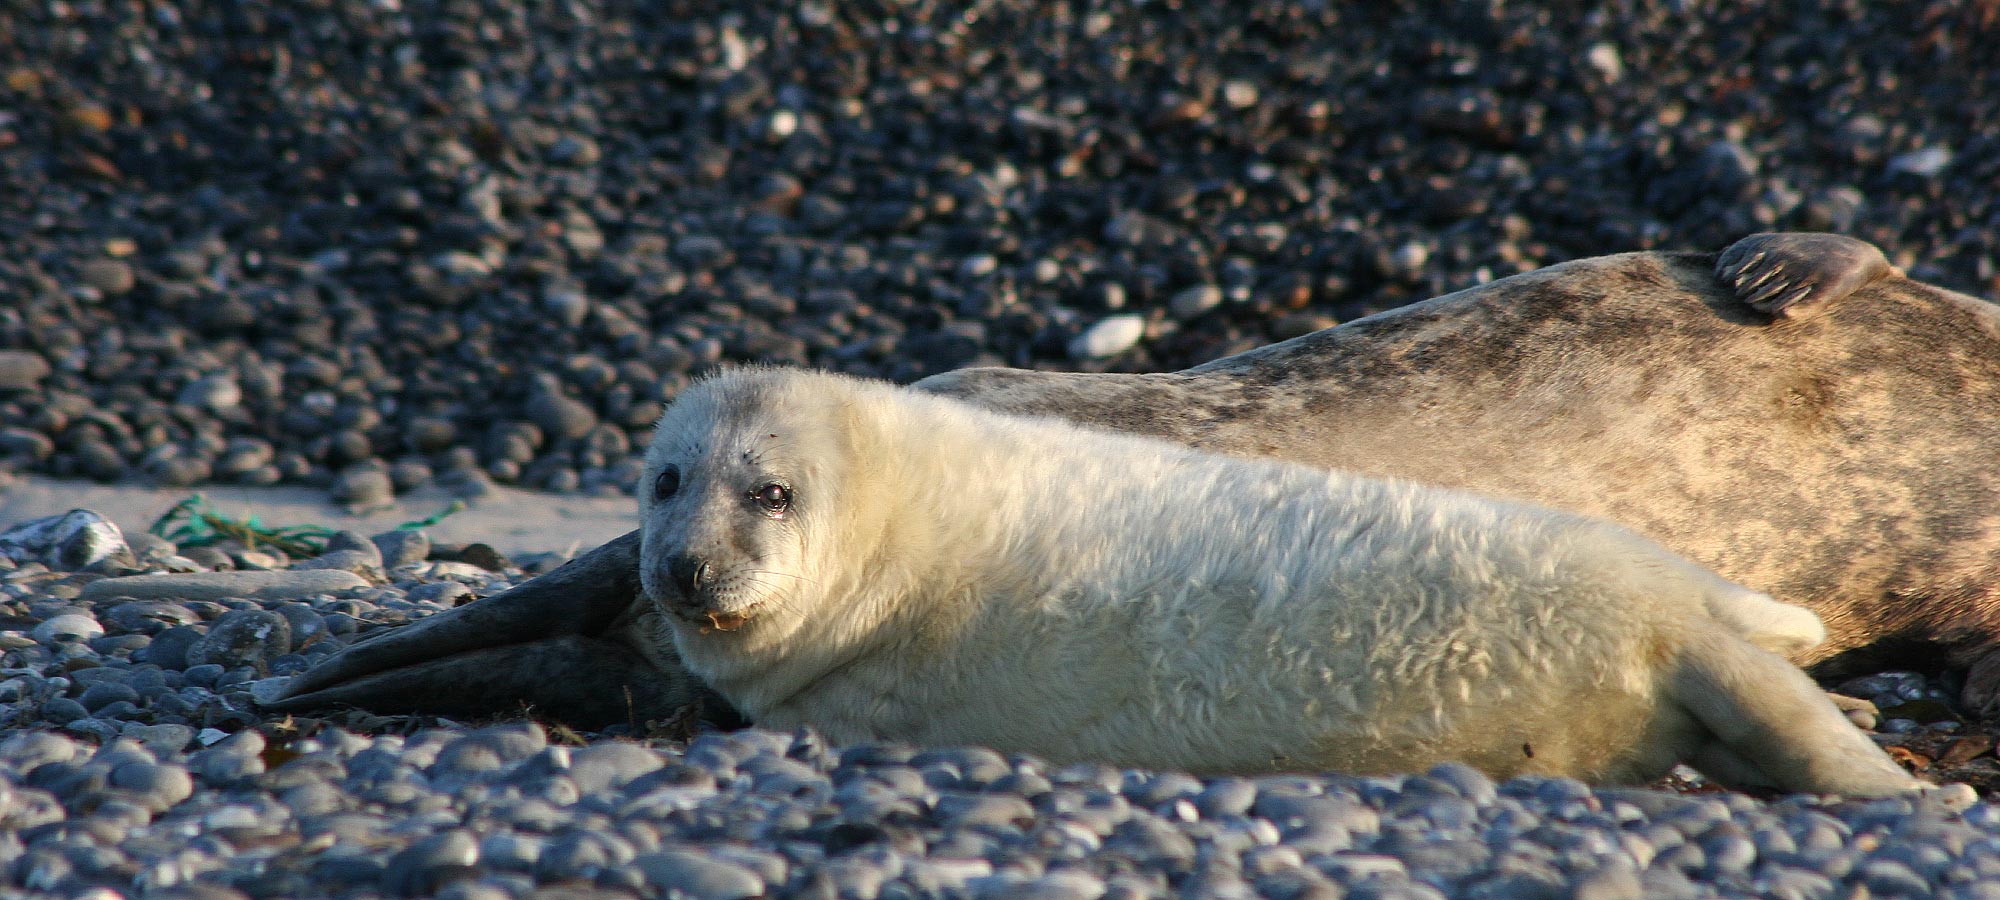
<point x="1797" y="274"/>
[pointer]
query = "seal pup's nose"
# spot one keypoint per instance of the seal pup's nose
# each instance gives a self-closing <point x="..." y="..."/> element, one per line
<point x="691" y="574"/>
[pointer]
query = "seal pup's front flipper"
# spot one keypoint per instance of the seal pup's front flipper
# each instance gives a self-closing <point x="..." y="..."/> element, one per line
<point x="418" y="667"/>
<point x="1797" y="273"/>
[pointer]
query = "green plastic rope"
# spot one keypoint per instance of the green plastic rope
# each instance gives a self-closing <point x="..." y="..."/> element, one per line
<point x="195" y="522"/>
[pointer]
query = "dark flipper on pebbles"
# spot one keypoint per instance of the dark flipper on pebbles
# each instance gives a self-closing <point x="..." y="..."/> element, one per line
<point x="538" y="644"/>
<point x="1794" y="274"/>
<point x="579" y="680"/>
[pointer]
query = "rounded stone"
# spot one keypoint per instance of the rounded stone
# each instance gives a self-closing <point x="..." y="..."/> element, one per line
<point x="559" y="415"/>
<point x="98" y="696"/>
<point x="1195" y="301"/>
<point x="113" y="277"/>
<point x="159" y="786"/>
<point x="424" y="867"/>
<point x="364" y="487"/>
<point x="696" y="875"/>
<point x="67" y="627"/>
<point x="243" y="637"/>
<point x="22" y="370"/>
<point x="403" y="547"/>
<point x="214" y="393"/>
<point x="1111" y="336"/>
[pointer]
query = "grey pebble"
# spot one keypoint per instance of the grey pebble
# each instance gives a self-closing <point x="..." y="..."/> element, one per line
<point x="697" y="875"/>
<point x="148" y="616"/>
<point x="363" y="488"/>
<point x="432" y="862"/>
<point x="22" y="370"/>
<point x="256" y="585"/>
<point x="243" y="637"/>
<point x="558" y="414"/>
<point x="113" y="277"/>
<point x="164" y="740"/>
<point x="1063" y="885"/>
<point x="171" y="647"/>
<point x="67" y="627"/>
<point x="1194" y="302"/>
<point x="439" y="593"/>
<point x="403" y="547"/>
<point x="1925" y="163"/>
<point x="510" y="851"/>
<point x="610" y="765"/>
<point x="366" y="565"/>
<point x="218" y="393"/>
<point x="230" y="762"/>
<point x="581" y="854"/>
<point x="1111" y="336"/>
<point x="25" y="807"/>
<point x="987" y="810"/>
<point x="98" y="696"/>
<point x="63" y="711"/>
<point x="67" y="543"/>
<point x="159" y="786"/>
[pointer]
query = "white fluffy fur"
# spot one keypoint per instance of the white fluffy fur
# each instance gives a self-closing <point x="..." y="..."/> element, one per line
<point x="951" y="575"/>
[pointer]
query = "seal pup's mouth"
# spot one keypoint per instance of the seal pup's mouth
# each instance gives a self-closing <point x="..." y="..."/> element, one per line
<point x="711" y="620"/>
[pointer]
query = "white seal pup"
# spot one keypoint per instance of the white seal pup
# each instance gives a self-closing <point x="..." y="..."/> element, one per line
<point x="877" y="563"/>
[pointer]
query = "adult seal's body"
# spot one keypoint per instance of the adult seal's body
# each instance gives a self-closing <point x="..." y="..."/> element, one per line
<point x="1792" y="413"/>
<point x="882" y="564"/>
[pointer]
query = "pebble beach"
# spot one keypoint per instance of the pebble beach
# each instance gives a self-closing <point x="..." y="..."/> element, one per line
<point x="384" y="247"/>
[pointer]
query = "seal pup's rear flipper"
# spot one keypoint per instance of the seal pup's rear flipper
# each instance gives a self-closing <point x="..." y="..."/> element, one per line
<point x="1797" y="273"/>
<point x="1786" y="629"/>
<point x="1771" y="726"/>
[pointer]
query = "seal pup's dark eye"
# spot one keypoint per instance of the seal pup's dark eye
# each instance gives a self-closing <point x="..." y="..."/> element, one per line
<point x="773" y="498"/>
<point x="668" y="482"/>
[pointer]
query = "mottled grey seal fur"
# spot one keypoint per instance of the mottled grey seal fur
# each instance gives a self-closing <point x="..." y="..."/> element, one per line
<point x="1837" y="460"/>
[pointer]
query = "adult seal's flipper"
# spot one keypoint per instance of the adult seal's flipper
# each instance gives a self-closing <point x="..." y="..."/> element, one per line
<point x="581" y="681"/>
<point x="1796" y="274"/>
<point x="542" y="644"/>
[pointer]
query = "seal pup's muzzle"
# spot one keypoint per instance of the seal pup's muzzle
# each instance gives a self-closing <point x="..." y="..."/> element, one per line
<point x="698" y="594"/>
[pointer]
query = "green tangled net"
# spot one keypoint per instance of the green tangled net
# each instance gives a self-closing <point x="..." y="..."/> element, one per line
<point x="195" y="522"/>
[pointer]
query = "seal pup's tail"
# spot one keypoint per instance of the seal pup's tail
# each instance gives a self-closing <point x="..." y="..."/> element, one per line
<point x="1771" y="727"/>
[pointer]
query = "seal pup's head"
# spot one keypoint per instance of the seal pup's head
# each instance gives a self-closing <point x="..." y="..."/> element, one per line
<point x="720" y="503"/>
<point x="762" y="496"/>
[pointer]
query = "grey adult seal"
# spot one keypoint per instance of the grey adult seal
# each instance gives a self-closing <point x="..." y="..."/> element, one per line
<point x="1813" y="441"/>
